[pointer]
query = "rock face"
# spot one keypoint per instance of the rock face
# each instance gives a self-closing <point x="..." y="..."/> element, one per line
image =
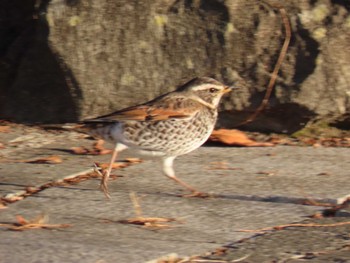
<point x="66" y="60"/>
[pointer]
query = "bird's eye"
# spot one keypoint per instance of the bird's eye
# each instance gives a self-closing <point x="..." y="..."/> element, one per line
<point x="213" y="90"/>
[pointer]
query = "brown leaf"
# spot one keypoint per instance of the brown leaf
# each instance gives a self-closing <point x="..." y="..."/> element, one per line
<point x="2" y="205"/>
<point x="324" y="174"/>
<point x="150" y="222"/>
<point x="235" y="137"/>
<point x="5" y="129"/>
<point x="281" y="140"/>
<point x="220" y="251"/>
<point x="114" y="165"/>
<point x="53" y="159"/>
<point x="97" y="149"/>
<point x="267" y="173"/>
<point x="100" y="149"/>
<point x="80" y="150"/>
<point x="133" y="160"/>
<point x="317" y="215"/>
<point x="11" y="198"/>
<point x="20" y="219"/>
<point x="32" y="189"/>
<point x="37" y="222"/>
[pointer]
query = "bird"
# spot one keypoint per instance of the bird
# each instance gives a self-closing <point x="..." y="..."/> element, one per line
<point x="168" y="126"/>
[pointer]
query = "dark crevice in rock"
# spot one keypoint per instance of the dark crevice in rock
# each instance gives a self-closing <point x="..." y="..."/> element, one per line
<point x="306" y="55"/>
<point x="342" y="122"/>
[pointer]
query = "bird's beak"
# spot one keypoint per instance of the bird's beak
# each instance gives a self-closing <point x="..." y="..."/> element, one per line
<point x="227" y="89"/>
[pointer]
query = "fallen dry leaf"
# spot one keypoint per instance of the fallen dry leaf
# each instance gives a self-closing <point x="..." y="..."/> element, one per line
<point x="236" y="138"/>
<point x="2" y="205"/>
<point x="53" y="159"/>
<point x="331" y="209"/>
<point x="97" y="149"/>
<point x="133" y="160"/>
<point x="80" y="150"/>
<point x="121" y="164"/>
<point x="5" y="129"/>
<point x="11" y="198"/>
<point x="326" y="142"/>
<point x="267" y="173"/>
<point x="36" y="223"/>
<point x="146" y="222"/>
<point x="32" y="189"/>
<point x="20" y="219"/>
<point x="116" y="165"/>
<point x="220" y="251"/>
<point x="98" y="146"/>
<point x="317" y="215"/>
<point x="281" y="140"/>
<point x="324" y="174"/>
<point x="150" y="222"/>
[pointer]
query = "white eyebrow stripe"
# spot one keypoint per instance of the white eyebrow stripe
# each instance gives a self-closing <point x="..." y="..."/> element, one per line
<point x="206" y="86"/>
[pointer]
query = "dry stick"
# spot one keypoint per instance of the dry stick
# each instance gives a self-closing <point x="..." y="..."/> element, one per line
<point x="277" y="66"/>
<point x="310" y="201"/>
<point x="331" y="208"/>
<point x="135" y="201"/>
<point x="281" y="227"/>
<point x="199" y="260"/>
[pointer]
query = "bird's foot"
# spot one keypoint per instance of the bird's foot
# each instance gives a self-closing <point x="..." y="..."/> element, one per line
<point x="104" y="186"/>
<point x="104" y="181"/>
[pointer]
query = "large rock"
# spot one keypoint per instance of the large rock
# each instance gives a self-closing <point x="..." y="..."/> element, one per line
<point x="74" y="59"/>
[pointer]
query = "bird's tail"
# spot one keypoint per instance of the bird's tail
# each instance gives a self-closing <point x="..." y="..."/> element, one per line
<point x="94" y="129"/>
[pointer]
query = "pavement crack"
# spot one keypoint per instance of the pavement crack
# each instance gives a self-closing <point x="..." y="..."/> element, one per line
<point x="278" y="199"/>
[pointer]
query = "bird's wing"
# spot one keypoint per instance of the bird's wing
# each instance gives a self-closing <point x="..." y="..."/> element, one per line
<point x="153" y="111"/>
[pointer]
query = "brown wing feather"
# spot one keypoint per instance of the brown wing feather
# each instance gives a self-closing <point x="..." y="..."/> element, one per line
<point x="153" y="111"/>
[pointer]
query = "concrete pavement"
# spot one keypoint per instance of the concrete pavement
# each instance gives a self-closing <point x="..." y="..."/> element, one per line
<point x="254" y="188"/>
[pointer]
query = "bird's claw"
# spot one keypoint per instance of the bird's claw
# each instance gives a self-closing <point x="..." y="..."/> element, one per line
<point x="104" y="182"/>
<point x="104" y="187"/>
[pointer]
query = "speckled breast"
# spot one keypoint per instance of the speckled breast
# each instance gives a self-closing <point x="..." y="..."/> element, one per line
<point x="170" y="137"/>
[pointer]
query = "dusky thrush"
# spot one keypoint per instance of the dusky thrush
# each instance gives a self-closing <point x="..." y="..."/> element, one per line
<point x="168" y="126"/>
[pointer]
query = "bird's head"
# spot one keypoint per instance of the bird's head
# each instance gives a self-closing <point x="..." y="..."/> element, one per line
<point x="205" y="90"/>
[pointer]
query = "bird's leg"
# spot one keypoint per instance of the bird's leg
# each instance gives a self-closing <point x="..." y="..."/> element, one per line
<point x="170" y="173"/>
<point x="103" y="185"/>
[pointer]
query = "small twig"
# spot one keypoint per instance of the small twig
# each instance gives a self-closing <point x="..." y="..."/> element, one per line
<point x="310" y="201"/>
<point x="331" y="208"/>
<point x="278" y="64"/>
<point x="194" y="259"/>
<point x="281" y="227"/>
<point x="146" y="222"/>
<point x="135" y="201"/>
